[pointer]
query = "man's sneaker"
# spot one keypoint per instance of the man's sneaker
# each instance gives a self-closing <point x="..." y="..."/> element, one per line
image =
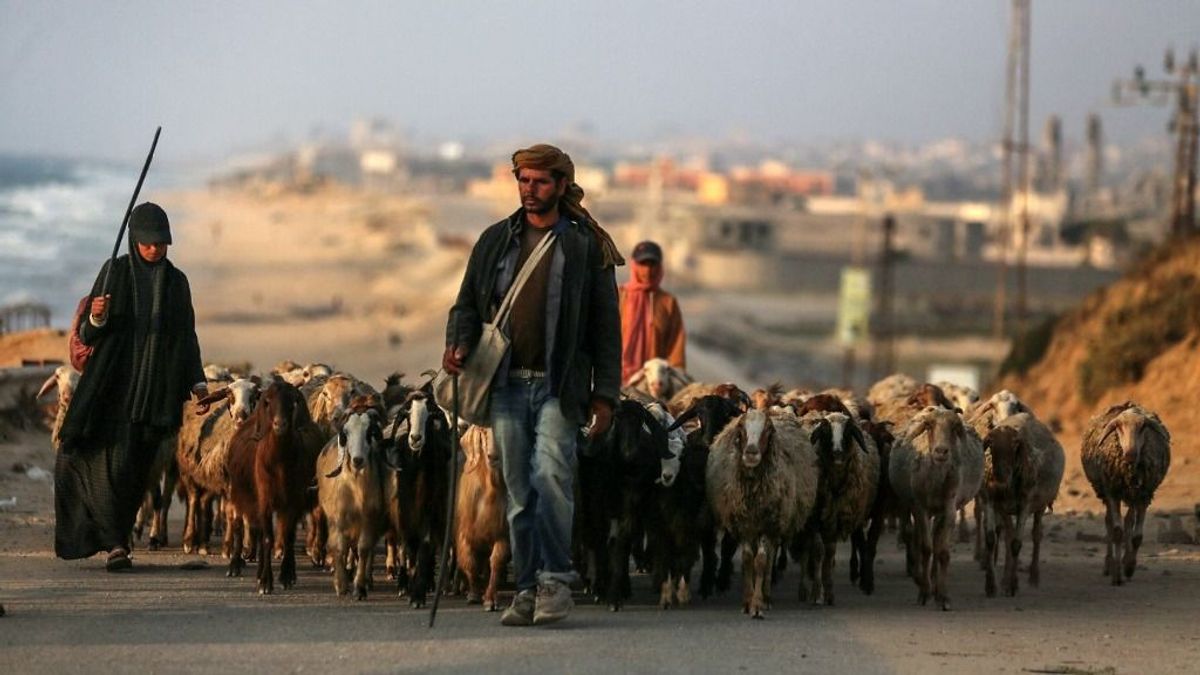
<point x="520" y="612"/>
<point x="553" y="602"/>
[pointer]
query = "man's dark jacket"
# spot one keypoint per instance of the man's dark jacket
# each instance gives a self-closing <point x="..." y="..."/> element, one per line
<point x="585" y="357"/>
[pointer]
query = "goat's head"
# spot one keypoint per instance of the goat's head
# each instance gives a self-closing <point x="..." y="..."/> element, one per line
<point x="834" y="436"/>
<point x="360" y="436"/>
<point x="754" y="435"/>
<point x="945" y="428"/>
<point x="1129" y="425"/>
<point x="711" y="413"/>
<point x="334" y="396"/>
<point x="280" y="410"/>
<point x="65" y="379"/>
<point x="243" y="396"/>
<point x="421" y="416"/>
<point x="765" y="399"/>
<point x="675" y="441"/>
<point x="1001" y="406"/>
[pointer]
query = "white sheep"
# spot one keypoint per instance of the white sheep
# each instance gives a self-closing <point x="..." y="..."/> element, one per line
<point x="961" y="395"/>
<point x="659" y="379"/>
<point x="761" y="480"/>
<point x="1126" y="454"/>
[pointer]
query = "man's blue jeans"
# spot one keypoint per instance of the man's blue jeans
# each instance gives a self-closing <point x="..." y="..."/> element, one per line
<point x="537" y="454"/>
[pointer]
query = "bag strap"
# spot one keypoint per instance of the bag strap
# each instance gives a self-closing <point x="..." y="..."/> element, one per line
<point x="523" y="275"/>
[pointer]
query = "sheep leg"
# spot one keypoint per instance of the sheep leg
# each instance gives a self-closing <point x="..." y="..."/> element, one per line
<point x="389" y="564"/>
<point x="1035" y="573"/>
<point x="857" y="540"/>
<point x="189" y="520"/>
<point x="866" y="582"/>
<point x="763" y="564"/>
<point x="287" y="568"/>
<point x="988" y="560"/>
<point x="340" y="542"/>
<point x="618" y="564"/>
<point x="747" y="578"/>
<point x="158" y="526"/>
<point x="980" y="548"/>
<point x="1013" y="560"/>
<point x="964" y="530"/>
<point x="266" y="544"/>
<point x="908" y="540"/>
<point x="729" y="544"/>
<point x="660" y="577"/>
<point x="1116" y="537"/>
<point x="317" y="536"/>
<point x="251" y="539"/>
<point x="231" y="528"/>
<point x="708" y="561"/>
<point x="469" y="561"/>
<point x="828" y="553"/>
<point x="236" y="563"/>
<point x="924" y="549"/>
<point x="1134" y="517"/>
<point x="280" y="538"/>
<point x="366" y="559"/>
<point x="499" y="560"/>
<point x="206" y="523"/>
<point x="943" y="523"/>
<point x="419" y="585"/>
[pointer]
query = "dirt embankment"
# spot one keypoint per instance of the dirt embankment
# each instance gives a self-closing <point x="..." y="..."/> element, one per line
<point x="1136" y="340"/>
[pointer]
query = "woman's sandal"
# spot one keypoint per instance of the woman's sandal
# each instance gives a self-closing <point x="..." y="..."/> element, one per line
<point x="118" y="560"/>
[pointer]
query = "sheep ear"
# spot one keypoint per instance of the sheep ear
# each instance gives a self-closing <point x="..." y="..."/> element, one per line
<point x="1159" y="429"/>
<point x="1107" y="431"/>
<point x="857" y="435"/>
<point x="636" y="379"/>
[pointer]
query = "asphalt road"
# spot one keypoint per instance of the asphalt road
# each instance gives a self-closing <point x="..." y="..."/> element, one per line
<point x="75" y="617"/>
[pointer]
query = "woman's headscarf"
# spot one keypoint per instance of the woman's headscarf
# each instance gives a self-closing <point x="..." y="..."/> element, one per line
<point x="545" y="157"/>
<point x="148" y="224"/>
<point x="637" y="317"/>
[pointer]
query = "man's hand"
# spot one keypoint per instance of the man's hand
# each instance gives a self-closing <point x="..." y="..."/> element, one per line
<point x="602" y="414"/>
<point x="453" y="359"/>
<point x="100" y="308"/>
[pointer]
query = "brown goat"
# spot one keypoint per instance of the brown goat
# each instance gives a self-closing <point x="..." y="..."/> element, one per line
<point x="272" y="462"/>
<point x="480" y="520"/>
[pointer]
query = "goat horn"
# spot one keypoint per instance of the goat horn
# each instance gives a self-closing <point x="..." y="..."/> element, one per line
<point x="636" y="379"/>
<point x="214" y="397"/>
<point x="684" y="417"/>
<point x="49" y="384"/>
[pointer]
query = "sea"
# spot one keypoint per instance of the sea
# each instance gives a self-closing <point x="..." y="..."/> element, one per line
<point x="59" y="219"/>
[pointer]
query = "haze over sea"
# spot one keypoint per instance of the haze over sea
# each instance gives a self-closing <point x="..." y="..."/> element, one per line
<point x="58" y="220"/>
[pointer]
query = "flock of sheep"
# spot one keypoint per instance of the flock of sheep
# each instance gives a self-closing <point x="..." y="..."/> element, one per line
<point x="689" y="472"/>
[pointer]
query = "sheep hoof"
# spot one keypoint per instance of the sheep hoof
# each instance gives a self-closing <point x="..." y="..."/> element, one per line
<point x="945" y="605"/>
<point x="203" y="550"/>
<point x="490" y="606"/>
<point x="360" y="593"/>
<point x="922" y="598"/>
<point x="187" y="548"/>
<point x="474" y="599"/>
<point x="758" y="615"/>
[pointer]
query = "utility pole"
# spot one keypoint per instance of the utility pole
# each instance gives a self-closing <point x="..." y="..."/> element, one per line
<point x="885" y="331"/>
<point x="1184" y="90"/>
<point x="1016" y="105"/>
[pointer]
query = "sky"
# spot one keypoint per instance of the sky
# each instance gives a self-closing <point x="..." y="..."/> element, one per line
<point x="94" y="78"/>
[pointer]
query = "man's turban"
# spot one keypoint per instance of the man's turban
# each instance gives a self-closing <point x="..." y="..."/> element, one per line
<point x="545" y="157"/>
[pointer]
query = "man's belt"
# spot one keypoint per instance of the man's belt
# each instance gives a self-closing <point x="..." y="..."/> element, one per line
<point x="525" y="374"/>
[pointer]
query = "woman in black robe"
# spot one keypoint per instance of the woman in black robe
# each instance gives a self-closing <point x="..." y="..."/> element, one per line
<point x="130" y="395"/>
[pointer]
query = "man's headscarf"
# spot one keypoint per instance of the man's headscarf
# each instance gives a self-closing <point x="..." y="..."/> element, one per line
<point x="545" y="157"/>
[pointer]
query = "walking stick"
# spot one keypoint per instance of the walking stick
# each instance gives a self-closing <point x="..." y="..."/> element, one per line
<point x="443" y="572"/>
<point x="128" y="210"/>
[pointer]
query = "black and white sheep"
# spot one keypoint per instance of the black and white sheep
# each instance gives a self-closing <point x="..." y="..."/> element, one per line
<point x="354" y="490"/>
<point x="761" y="479"/>
<point x="1126" y="453"/>
<point x="846" y="492"/>
<point x="658" y="379"/>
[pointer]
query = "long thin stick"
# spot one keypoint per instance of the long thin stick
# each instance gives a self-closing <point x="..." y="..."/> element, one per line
<point x="443" y="572"/>
<point x="129" y="209"/>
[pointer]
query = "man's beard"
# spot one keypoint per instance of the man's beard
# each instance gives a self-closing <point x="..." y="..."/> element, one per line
<point x="537" y="206"/>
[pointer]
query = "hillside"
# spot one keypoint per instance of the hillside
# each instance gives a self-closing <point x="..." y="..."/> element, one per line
<point x="1134" y="340"/>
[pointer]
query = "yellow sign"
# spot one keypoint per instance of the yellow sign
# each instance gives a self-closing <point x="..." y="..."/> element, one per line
<point x="854" y="306"/>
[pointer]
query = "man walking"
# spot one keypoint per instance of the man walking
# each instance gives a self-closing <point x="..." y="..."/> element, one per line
<point x="563" y="367"/>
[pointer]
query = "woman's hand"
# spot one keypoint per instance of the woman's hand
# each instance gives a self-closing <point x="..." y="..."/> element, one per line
<point x="100" y="308"/>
